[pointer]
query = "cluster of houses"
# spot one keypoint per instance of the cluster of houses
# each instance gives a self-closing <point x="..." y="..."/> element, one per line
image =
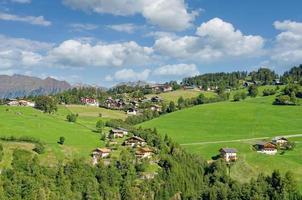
<point x="21" y="102"/>
<point x="158" y="88"/>
<point x="89" y="101"/>
<point x="265" y="147"/>
<point x="142" y="151"/>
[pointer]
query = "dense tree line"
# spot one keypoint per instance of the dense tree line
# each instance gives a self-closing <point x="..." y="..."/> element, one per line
<point x="293" y="75"/>
<point x="228" y="80"/>
<point x="263" y="75"/>
<point x="180" y="176"/>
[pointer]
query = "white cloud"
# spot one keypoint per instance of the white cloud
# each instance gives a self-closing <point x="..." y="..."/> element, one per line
<point x="288" y="43"/>
<point x="73" y="53"/>
<point x="19" y="52"/>
<point x="177" y="70"/>
<point x="170" y="15"/>
<point x="128" y="28"/>
<point x="27" y="19"/>
<point x="81" y="27"/>
<point x="21" y="1"/>
<point x="214" y="40"/>
<point x="129" y="75"/>
<point x="22" y="44"/>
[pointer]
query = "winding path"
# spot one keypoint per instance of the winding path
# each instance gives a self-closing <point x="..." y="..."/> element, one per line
<point x="238" y="140"/>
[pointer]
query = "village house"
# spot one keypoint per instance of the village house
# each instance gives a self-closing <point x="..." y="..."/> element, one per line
<point x="266" y="148"/>
<point x="277" y="82"/>
<point x="156" y="99"/>
<point x="116" y="133"/>
<point x="89" y="101"/>
<point x="144" y="152"/>
<point x="161" y="88"/>
<point x="167" y="88"/>
<point x="156" y="108"/>
<point x="15" y="102"/>
<point x="188" y="87"/>
<point x="135" y="141"/>
<point x="100" y="153"/>
<point x="125" y="131"/>
<point x="131" y="111"/>
<point x="280" y="141"/>
<point x="228" y="154"/>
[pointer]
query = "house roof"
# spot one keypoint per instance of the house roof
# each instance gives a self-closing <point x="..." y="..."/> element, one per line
<point x="116" y="131"/>
<point x="279" y="138"/>
<point x="102" y="150"/>
<point x="143" y="150"/>
<point x="136" y="138"/>
<point x="122" y="129"/>
<point x="228" y="150"/>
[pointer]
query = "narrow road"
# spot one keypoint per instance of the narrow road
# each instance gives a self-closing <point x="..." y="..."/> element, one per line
<point x="238" y="140"/>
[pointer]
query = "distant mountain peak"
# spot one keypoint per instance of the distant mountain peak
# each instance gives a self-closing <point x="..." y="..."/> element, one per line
<point x="21" y="85"/>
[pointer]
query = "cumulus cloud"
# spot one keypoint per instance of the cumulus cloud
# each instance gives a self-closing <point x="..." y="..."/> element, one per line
<point x="177" y="70"/>
<point x="26" y="19"/>
<point x="73" y="53"/>
<point x="81" y="27"/>
<point x="128" y="28"/>
<point x="129" y="75"/>
<point x="214" y="40"/>
<point x="170" y="15"/>
<point x="288" y="43"/>
<point x="19" y="52"/>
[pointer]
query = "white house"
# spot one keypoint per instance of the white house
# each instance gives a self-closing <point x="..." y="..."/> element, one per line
<point x="228" y="154"/>
<point x="266" y="148"/>
<point x="131" y="111"/>
<point x="281" y="141"/>
<point x="99" y="153"/>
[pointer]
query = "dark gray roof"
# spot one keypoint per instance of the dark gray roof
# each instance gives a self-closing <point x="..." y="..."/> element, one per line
<point x="229" y="150"/>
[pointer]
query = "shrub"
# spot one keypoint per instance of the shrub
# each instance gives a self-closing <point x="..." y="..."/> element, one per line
<point x="1" y="152"/>
<point x="268" y="92"/>
<point x="99" y="126"/>
<point x="72" y="117"/>
<point x="61" y="140"/>
<point x="39" y="148"/>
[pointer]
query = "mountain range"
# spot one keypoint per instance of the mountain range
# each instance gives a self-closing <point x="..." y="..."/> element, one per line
<point x="21" y="85"/>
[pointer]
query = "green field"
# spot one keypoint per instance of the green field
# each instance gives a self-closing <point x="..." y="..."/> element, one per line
<point x="206" y="128"/>
<point x="24" y="121"/>
<point x="174" y="95"/>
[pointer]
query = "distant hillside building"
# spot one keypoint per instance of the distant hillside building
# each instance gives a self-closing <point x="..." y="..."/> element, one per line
<point x="131" y="111"/>
<point x="266" y="148"/>
<point x="143" y="152"/>
<point x="15" y="102"/>
<point x="89" y="101"/>
<point x="135" y="141"/>
<point x="156" y="108"/>
<point x="100" y="153"/>
<point x="228" y="154"/>
<point x="280" y="141"/>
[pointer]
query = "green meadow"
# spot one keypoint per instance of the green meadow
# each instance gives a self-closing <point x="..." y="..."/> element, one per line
<point x="80" y="137"/>
<point x="174" y="95"/>
<point x="204" y="129"/>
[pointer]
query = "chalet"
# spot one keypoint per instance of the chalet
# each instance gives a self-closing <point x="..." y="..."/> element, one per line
<point x="125" y="131"/>
<point x="143" y="152"/>
<point x="135" y="141"/>
<point x="131" y="111"/>
<point x="156" y="108"/>
<point x="280" y="141"/>
<point x="89" y="101"/>
<point x="114" y="103"/>
<point x="134" y="104"/>
<point x="188" y="87"/>
<point x="116" y="133"/>
<point x="156" y="99"/>
<point x="277" y="82"/>
<point x="15" y="102"/>
<point x="167" y="88"/>
<point x="248" y="83"/>
<point x="266" y="148"/>
<point x="100" y="153"/>
<point x="228" y="154"/>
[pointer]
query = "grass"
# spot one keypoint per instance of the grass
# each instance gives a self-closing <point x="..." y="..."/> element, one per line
<point x="23" y="121"/>
<point x="174" y="95"/>
<point x="209" y="124"/>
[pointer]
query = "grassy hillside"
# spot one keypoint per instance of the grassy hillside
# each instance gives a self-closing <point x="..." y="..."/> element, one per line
<point x="174" y="95"/>
<point x="206" y="128"/>
<point x="230" y="120"/>
<point x="23" y="121"/>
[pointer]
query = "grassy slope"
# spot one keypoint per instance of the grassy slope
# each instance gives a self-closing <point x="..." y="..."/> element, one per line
<point x="174" y="95"/>
<point x="79" y="142"/>
<point x="238" y="120"/>
<point x="230" y="120"/>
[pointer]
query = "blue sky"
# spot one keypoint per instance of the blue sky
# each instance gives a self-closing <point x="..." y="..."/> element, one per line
<point x="105" y="42"/>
